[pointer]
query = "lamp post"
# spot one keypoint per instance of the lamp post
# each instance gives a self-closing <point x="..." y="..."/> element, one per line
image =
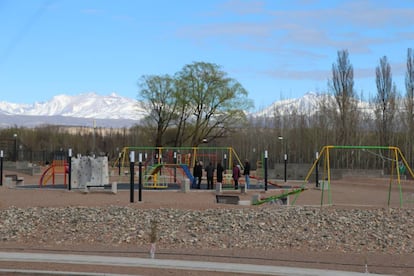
<point x="317" y="169"/>
<point x="119" y="162"/>
<point x="15" y="147"/>
<point x="175" y="167"/>
<point x="1" y="167"/>
<point x="140" y="177"/>
<point x="285" y="156"/>
<point x="70" y="168"/>
<point x="131" y="171"/>
<point x="265" y="169"/>
<point x="94" y="139"/>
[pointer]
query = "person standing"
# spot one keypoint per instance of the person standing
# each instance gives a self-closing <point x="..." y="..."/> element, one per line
<point x="220" y="171"/>
<point x="246" y="173"/>
<point x="210" y="175"/>
<point x="198" y="173"/>
<point x="236" y="176"/>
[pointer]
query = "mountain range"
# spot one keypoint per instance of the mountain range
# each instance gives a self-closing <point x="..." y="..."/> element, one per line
<point x="87" y="109"/>
<point x="91" y="109"/>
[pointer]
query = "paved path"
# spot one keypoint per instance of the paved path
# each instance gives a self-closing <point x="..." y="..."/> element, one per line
<point x="170" y="264"/>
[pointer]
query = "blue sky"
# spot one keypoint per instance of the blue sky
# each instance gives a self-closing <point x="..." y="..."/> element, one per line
<point x="275" y="49"/>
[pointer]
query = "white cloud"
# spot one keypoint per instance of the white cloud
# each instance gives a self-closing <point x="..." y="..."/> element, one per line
<point x="355" y="25"/>
<point x="283" y="73"/>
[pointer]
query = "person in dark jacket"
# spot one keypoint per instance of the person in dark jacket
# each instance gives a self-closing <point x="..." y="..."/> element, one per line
<point x="210" y="175"/>
<point x="236" y="176"/>
<point x="246" y="173"/>
<point x="220" y="171"/>
<point x="198" y="173"/>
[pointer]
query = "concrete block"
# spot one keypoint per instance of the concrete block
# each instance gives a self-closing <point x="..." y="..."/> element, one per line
<point x="114" y="187"/>
<point x="185" y="186"/>
<point x="8" y="182"/>
<point x="255" y="198"/>
<point x="243" y="189"/>
<point x="227" y="199"/>
<point x="219" y="188"/>
<point x="323" y="183"/>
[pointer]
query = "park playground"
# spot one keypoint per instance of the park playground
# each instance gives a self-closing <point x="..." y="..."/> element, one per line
<point x="168" y="168"/>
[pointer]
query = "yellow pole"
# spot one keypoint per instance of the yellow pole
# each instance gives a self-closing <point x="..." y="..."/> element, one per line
<point x="329" y="179"/>
<point x="314" y="164"/>
<point x="405" y="163"/>
<point x="398" y="176"/>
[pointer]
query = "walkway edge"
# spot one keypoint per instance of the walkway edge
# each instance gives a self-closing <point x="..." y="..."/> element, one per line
<point x="171" y="264"/>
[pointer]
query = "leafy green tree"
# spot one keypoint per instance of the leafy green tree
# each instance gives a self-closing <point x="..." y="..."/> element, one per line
<point x="184" y="111"/>
<point x="216" y="102"/>
<point x="158" y="94"/>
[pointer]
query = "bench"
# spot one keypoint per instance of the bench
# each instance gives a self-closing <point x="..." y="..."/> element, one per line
<point x="113" y="186"/>
<point x="228" y="199"/>
<point x="15" y="178"/>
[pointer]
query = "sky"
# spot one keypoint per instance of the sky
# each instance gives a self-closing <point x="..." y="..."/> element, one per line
<point x="275" y="49"/>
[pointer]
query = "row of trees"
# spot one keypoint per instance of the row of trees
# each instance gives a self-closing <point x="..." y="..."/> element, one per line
<point x="393" y="113"/>
<point x="201" y="103"/>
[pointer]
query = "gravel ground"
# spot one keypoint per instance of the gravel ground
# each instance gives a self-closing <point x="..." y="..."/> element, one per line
<point x="317" y="230"/>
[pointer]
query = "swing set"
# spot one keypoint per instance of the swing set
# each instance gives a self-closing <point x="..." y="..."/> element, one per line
<point x="399" y="167"/>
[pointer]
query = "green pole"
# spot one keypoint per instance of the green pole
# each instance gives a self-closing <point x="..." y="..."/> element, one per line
<point x="389" y="194"/>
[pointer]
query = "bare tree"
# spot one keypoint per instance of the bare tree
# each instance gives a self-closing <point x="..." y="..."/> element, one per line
<point x="409" y="104"/>
<point x="346" y="110"/>
<point x="345" y="97"/>
<point x="385" y="105"/>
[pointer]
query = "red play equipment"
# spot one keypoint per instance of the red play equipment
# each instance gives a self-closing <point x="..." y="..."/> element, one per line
<point x="58" y="167"/>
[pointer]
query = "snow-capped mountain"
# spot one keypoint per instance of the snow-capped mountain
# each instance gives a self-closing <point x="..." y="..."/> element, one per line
<point x="89" y="105"/>
<point x="304" y="105"/>
<point x="112" y="111"/>
<point x="308" y="104"/>
<point x="117" y="112"/>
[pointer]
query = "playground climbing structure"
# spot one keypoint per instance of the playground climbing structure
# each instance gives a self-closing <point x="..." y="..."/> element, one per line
<point x="57" y="168"/>
<point x="168" y="165"/>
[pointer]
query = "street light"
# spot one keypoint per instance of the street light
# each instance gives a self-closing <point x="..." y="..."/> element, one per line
<point x="285" y="156"/>
<point x="15" y="146"/>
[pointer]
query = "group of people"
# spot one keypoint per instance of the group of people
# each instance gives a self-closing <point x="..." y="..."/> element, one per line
<point x="209" y="169"/>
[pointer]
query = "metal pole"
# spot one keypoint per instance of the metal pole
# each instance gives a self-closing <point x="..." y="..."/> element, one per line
<point x="70" y="169"/>
<point x="15" y="147"/>
<point x="131" y="170"/>
<point x="284" y="147"/>
<point x="317" y="170"/>
<point x="286" y="157"/>
<point x="265" y="169"/>
<point x="94" y="139"/>
<point x="1" y="168"/>
<point x="175" y="168"/>
<point x="119" y="163"/>
<point x="140" y="177"/>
